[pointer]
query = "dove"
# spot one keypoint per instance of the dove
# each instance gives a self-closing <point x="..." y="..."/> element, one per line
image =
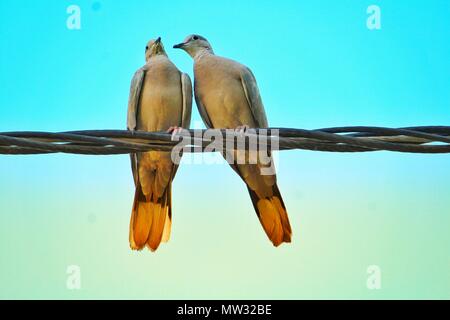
<point x="160" y="100"/>
<point x="227" y="97"/>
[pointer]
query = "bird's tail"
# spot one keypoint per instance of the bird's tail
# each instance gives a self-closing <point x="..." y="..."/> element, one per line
<point x="151" y="220"/>
<point x="273" y="216"/>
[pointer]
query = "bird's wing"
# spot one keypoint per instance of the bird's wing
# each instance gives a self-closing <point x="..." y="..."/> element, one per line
<point x="203" y="113"/>
<point x="133" y="102"/>
<point x="264" y="192"/>
<point x="253" y="97"/>
<point x="254" y="102"/>
<point x="134" y="161"/>
<point x="186" y="90"/>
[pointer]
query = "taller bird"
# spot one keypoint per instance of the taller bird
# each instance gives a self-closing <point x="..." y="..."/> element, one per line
<point x="160" y="100"/>
<point x="227" y="96"/>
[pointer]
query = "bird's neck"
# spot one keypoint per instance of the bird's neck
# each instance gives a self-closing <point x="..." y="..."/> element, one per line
<point x="160" y="55"/>
<point x="202" y="52"/>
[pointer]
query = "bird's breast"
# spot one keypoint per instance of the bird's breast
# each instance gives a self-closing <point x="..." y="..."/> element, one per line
<point x="221" y="93"/>
<point x="161" y="100"/>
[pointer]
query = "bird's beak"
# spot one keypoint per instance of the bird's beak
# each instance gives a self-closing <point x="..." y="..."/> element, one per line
<point x="179" y="46"/>
<point x="158" y="40"/>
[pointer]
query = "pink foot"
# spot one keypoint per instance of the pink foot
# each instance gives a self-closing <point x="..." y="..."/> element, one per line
<point x="174" y="131"/>
<point x="242" y="129"/>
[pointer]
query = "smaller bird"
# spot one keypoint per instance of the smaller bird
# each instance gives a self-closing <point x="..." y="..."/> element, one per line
<point x="160" y="100"/>
<point x="227" y="96"/>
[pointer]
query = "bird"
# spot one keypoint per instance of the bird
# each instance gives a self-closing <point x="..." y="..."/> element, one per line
<point x="227" y="96"/>
<point x="160" y="100"/>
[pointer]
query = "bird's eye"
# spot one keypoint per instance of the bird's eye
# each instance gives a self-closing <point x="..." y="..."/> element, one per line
<point x="194" y="38"/>
<point x="146" y="48"/>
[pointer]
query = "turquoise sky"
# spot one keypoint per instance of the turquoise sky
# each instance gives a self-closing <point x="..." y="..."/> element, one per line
<point x="317" y="65"/>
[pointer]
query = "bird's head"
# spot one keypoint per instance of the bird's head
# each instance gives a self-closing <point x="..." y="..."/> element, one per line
<point x="194" y="44"/>
<point x="154" y="47"/>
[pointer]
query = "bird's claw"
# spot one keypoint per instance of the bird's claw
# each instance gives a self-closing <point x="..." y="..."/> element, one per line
<point x="174" y="130"/>
<point x="242" y="129"/>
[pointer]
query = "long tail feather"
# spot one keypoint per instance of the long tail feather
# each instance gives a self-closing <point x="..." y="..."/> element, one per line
<point x="273" y="216"/>
<point x="150" y="221"/>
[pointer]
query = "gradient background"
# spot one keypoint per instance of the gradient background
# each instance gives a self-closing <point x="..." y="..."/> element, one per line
<point x="317" y="66"/>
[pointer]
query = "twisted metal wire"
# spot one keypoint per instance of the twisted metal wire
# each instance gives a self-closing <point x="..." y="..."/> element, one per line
<point x="427" y="139"/>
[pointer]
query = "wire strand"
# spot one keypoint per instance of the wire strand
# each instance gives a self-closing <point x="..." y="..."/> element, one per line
<point x="426" y="139"/>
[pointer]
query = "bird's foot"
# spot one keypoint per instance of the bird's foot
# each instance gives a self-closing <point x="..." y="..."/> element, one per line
<point x="242" y="129"/>
<point x="174" y="131"/>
